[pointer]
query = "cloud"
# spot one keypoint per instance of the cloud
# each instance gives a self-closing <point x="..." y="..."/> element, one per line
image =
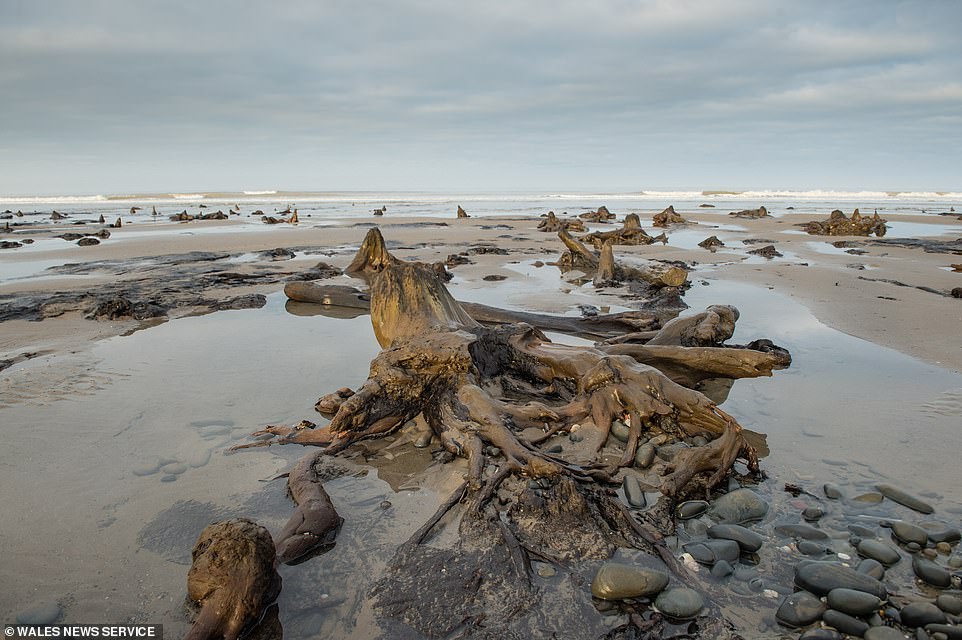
<point x="301" y="89"/>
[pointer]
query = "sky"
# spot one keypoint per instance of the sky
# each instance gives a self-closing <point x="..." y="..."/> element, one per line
<point x="134" y="97"/>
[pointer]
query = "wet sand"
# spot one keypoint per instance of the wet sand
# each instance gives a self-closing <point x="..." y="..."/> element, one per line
<point x="88" y="413"/>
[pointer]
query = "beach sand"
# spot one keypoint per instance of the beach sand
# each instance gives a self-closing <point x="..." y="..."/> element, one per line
<point x="92" y="409"/>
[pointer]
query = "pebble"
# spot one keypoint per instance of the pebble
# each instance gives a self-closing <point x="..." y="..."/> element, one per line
<point x="633" y="493"/>
<point x="821" y="634"/>
<point x="680" y="603"/>
<point x="955" y="561"/>
<point x="174" y="468"/>
<point x="616" y="581"/>
<point x="854" y="603"/>
<point x="747" y="539"/>
<point x="883" y="633"/>
<point x="812" y="514"/>
<point x="907" y="532"/>
<point x="669" y="452"/>
<point x="574" y="436"/>
<point x="800" y="610"/>
<point x="385" y="505"/>
<point x="620" y="430"/>
<point x="878" y="550"/>
<point x="822" y="577"/>
<point x="871" y="497"/>
<point x="805" y="531"/>
<point x="169" y="478"/>
<point x="711" y="551"/>
<point x="845" y="623"/>
<point x="940" y="532"/>
<point x="810" y="548"/>
<point x="931" y="573"/>
<point x="41" y="614"/>
<point x="946" y="631"/>
<point x="690" y="509"/>
<point x="645" y="455"/>
<point x="871" y="567"/>
<point x="722" y="569"/>
<point x="906" y="500"/>
<point x="862" y="532"/>
<point x="738" y="507"/>
<point x="546" y="571"/>
<point x="199" y="458"/>
<point x="919" y="614"/>
<point x="424" y="440"/>
<point x="832" y="492"/>
<point x="949" y="603"/>
<point x="944" y="548"/>
<point x="555" y="448"/>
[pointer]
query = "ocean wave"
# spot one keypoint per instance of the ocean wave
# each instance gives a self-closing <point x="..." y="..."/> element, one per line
<point x="266" y="192"/>
<point x="188" y="196"/>
<point x="50" y="199"/>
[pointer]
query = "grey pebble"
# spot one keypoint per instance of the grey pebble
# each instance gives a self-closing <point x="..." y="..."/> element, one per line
<point x="47" y="613"/>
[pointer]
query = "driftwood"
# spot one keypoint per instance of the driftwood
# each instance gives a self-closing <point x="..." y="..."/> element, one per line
<point x="314" y="523"/>
<point x="656" y="274"/>
<point x="667" y="217"/>
<point x="497" y="396"/>
<point x="711" y="243"/>
<point x="553" y="224"/>
<point x="232" y="579"/>
<point x="597" y="327"/>
<point x="601" y="215"/>
<point x="462" y="213"/>
<point x="630" y="234"/>
<point x="760" y="212"/>
<point x="838" y="224"/>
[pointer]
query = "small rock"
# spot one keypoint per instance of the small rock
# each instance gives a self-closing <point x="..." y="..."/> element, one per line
<point x="944" y="548"/>
<point x="878" y="550"/>
<point x="690" y="509"/>
<point x="174" y="468"/>
<point x="385" y="505"/>
<point x="949" y="603"/>
<point x="633" y="493"/>
<point x="738" y="507"/>
<point x="810" y="548"/>
<point x="747" y="539"/>
<point x="722" y="569"/>
<point x="871" y="567"/>
<point x="804" y="531"/>
<point x="955" y="561"/>
<point x="812" y="514"/>
<point x="821" y="634"/>
<point x="169" y="478"/>
<point x="832" y="492"/>
<point x="883" y="633"/>
<point x="800" y="610"/>
<point x="919" y="614"/>
<point x="897" y="495"/>
<point x="845" y="623"/>
<point x="619" y="430"/>
<point x="822" y="577"/>
<point x="424" y="440"/>
<point x="906" y="532"/>
<point x="616" y="581"/>
<point x="870" y="498"/>
<point x="646" y="455"/>
<point x="944" y="631"/>
<point x="680" y="603"/>
<point x="199" y="458"/>
<point x="146" y="469"/>
<point x="854" y="603"/>
<point x="87" y="242"/>
<point x="546" y="571"/>
<point x="931" y="573"/>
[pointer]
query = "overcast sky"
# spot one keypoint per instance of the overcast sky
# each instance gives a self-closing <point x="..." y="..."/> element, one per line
<point x="120" y="97"/>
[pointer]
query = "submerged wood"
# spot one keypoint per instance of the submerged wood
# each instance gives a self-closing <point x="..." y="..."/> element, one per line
<point x="657" y="274"/>
<point x="631" y="234"/>
<point x="553" y="224"/>
<point x="838" y="224"/>
<point x="314" y="523"/>
<point x="760" y="212"/>
<point x="593" y="327"/>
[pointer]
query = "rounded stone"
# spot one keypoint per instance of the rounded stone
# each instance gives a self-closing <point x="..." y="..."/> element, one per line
<point x="871" y="567"/>
<point x="907" y="532"/>
<point x="944" y="548"/>
<point x="748" y="540"/>
<point x="854" y="603"/>
<point x="905" y="499"/>
<point x="199" y="458"/>
<point x="822" y="577"/>
<point x="812" y="514"/>
<point x="738" y="507"/>
<point x="385" y="505"/>
<point x="883" y="633"/>
<point x="46" y="613"/>
<point x="821" y="634"/>
<point x="810" y="548"/>
<point x="690" y="509"/>
<point x="919" y="614"/>
<point x="633" y="493"/>
<point x="931" y="573"/>
<point x="146" y="469"/>
<point x="645" y="455"/>
<point x="680" y="603"/>
<point x="800" y="610"/>
<point x="620" y="430"/>
<point x="616" y="581"/>
<point x="878" y="550"/>
<point x="955" y="561"/>
<point x="546" y="571"/>
<point x="949" y="603"/>
<point x="169" y="478"/>
<point x="913" y="547"/>
<point x="845" y="623"/>
<point x="722" y="569"/>
<point x="832" y="492"/>
<point x="423" y="440"/>
<point x="869" y="498"/>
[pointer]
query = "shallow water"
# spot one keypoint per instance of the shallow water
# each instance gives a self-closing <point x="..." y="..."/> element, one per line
<point x="109" y="544"/>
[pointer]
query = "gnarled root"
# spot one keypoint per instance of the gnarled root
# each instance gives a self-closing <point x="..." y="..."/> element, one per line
<point x="314" y="523"/>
